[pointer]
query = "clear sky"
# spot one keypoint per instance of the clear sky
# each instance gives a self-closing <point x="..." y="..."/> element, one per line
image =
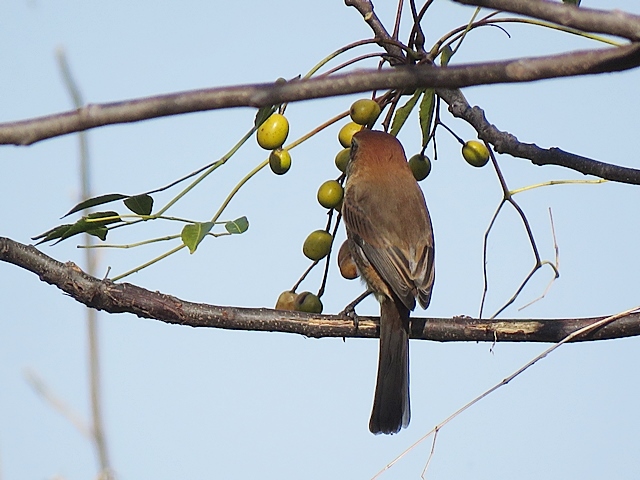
<point x="203" y="403"/>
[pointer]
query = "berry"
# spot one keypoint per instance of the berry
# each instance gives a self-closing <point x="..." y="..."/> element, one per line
<point x="273" y="132"/>
<point x="420" y="166"/>
<point x="475" y="153"/>
<point x="364" y="111"/>
<point x="330" y="194"/>
<point x="286" y="301"/>
<point x="317" y="245"/>
<point x="342" y="159"/>
<point x="308" y="302"/>
<point x="346" y="133"/>
<point x="280" y="161"/>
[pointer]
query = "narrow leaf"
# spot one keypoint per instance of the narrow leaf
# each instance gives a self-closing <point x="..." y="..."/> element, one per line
<point x="193" y="233"/>
<point x="55" y="232"/>
<point x="237" y="226"/>
<point x="140" y="204"/>
<point x="262" y="114"/>
<point x="403" y="113"/>
<point x="572" y="2"/>
<point x="426" y="113"/>
<point x="92" y="202"/>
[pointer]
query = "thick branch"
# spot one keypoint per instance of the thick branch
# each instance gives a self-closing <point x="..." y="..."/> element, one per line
<point x="505" y="142"/>
<point x="125" y="297"/>
<point x="521" y="70"/>
<point x="613" y="22"/>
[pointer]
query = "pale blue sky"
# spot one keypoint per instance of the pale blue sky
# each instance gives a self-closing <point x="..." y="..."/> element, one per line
<point x="203" y="403"/>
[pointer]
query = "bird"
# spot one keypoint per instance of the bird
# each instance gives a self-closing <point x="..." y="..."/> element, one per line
<point x="390" y="239"/>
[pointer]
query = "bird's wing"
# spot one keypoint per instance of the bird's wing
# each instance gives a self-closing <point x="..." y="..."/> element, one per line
<point x="389" y="261"/>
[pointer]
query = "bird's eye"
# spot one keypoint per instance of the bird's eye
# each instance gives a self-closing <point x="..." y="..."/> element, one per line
<point x="354" y="147"/>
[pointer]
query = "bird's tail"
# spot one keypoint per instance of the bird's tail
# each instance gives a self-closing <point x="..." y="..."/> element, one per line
<point x="391" y="409"/>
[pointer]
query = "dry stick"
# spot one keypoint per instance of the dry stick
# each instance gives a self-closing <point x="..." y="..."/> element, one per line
<point x="97" y="430"/>
<point x="568" y="338"/>
<point x="556" y="264"/>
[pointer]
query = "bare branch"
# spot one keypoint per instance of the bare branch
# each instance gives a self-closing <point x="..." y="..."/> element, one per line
<point x="27" y="132"/>
<point x="127" y="298"/>
<point x="613" y="22"/>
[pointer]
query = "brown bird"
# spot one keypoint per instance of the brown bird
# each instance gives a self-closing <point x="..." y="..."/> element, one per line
<point x="391" y="241"/>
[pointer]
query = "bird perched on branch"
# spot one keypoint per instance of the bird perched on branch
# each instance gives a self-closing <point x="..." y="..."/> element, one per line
<point x="390" y="238"/>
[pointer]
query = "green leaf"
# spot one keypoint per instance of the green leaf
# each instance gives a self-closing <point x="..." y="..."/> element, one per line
<point x="193" y="233"/>
<point x="92" y="228"/>
<point x="445" y="56"/>
<point x="262" y="114"/>
<point x="237" y="226"/>
<point x="55" y="232"/>
<point x="95" y="228"/>
<point x="140" y="204"/>
<point x="92" y="202"/>
<point x="100" y="232"/>
<point x="426" y="113"/>
<point x="572" y="2"/>
<point x="403" y="113"/>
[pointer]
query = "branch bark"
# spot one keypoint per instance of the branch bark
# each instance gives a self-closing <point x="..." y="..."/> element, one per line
<point x="613" y="22"/>
<point x="127" y="298"/>
<point x="27" y="132"/>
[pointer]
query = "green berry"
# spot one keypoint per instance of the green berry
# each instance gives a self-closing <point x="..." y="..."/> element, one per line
<point x="273" y="132"/>
<point x="475" y="153"/>
<point x="420" y="166"/>
<point x="364" y="111"/>
<point x="342" y="159"/>
<point x="330" y="194"/>
<point x="346" y="133"/>
<point x="317" y="245"/>
<point x="308" y="302"/>
<point x="280" y="161"/>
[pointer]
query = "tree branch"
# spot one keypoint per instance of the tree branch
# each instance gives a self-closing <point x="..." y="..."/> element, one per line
<point x="504" y="142"/>
<point x="127" y="298"/>
<point x="27" y="132"/>
<point x="613" y="22"/>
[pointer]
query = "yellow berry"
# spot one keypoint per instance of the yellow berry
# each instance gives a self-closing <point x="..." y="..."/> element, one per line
<point x="475" y="153"/>
<point x="280" y="161"/>
<point x="308" y="302"/>
<point x="347" y="132"/>
<point x="273" y="132"/>
<point x="330" y="194"/>
<point x="286" y="301"/>
<point x="420" y="166"/>
<point x="342" y="159"/>
<point x="346" y="264"/>
<point x="317" y="245"/>
<point x="364" y="111"/>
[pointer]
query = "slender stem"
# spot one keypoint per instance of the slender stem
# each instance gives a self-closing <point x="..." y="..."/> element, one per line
<point x="149" y="263"/>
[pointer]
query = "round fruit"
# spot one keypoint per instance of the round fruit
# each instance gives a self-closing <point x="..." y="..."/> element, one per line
<point x="475" y="153"/>
<point x="330" y="194"/>
<point x="342" y="159"/>
<point x="286" y="301"/>
<point x="280" y="161"/>
<point x="317" y="245"/>
<point x="420" y="166"/>
<point x="308" y="302"/>
<point x="346" y="264"/>
<point x="346" y="133"/>
<point x="364" y="111"/>
<point x="273" y="132"/>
